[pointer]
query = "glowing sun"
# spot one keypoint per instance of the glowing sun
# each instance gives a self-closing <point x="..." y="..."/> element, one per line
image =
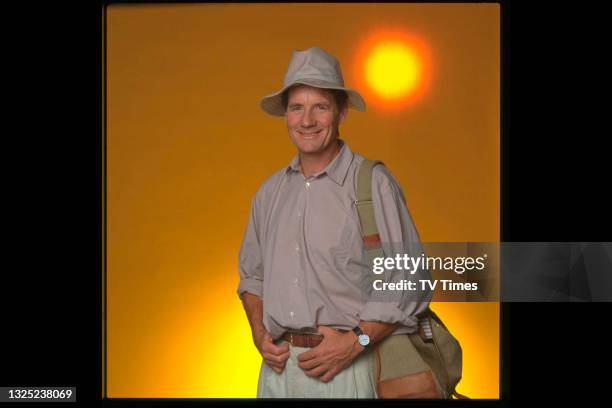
<point x="393" y="70"/>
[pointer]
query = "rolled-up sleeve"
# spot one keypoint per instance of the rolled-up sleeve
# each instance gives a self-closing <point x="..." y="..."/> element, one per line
<point x="398" y="235"/>
<point x="250" y="265"/>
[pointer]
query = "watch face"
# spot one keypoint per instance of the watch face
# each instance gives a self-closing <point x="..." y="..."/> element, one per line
<point x="364" y="339"/>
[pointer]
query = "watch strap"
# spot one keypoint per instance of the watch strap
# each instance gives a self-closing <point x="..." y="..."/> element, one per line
<point x="357" y="330"/>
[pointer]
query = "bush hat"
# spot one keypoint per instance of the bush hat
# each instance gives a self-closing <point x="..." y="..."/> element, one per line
<point x="313" y="67"/>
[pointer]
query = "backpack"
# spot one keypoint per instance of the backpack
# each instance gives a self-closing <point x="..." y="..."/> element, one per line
<point x="425" y="364"/>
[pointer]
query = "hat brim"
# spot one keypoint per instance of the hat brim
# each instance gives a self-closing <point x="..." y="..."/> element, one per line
<point x="273" y="104"/>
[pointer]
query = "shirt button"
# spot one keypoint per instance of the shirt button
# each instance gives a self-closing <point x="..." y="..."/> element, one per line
<point x="297" y="248"/>
<point x="308" y="184"/>
<point x="291" y="314"/>
<point x="295" y="281"/>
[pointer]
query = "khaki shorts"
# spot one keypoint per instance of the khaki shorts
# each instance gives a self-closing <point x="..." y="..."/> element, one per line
<point x="355" y="381"/>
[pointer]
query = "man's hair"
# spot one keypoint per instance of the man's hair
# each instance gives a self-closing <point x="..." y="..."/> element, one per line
<point x="340" y="97"/>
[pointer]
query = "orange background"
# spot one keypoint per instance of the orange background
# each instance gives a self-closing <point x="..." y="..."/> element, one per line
<point x="188" y="146"/>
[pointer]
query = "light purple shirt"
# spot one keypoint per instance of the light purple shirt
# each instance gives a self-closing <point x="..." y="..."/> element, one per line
<point x="302" y="251"/>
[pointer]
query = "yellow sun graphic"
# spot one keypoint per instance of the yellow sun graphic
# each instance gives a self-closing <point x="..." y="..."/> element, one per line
<point x="393" y="70"/>
<point x="393" y="67"/>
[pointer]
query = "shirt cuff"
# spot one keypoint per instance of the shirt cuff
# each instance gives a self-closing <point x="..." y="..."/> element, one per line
<point x="251" y="285"/>
<point x="387" y="312"/>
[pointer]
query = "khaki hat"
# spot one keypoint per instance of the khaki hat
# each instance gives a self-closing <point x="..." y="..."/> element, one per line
<point x="313" y="67"/>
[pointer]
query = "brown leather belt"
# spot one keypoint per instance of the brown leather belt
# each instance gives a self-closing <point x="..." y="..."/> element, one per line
<point x="302" y="339"/>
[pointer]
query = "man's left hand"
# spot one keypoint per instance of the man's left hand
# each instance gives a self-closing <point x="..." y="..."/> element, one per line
<point x="335" y="352"/>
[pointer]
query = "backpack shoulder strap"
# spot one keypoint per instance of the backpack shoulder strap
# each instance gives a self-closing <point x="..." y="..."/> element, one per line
<point x="365" y="208"/>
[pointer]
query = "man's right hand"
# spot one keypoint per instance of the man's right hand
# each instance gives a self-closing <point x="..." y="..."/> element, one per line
<point x="274" y="356"/>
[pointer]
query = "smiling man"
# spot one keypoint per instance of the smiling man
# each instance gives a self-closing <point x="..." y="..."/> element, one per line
<point x="301" y="263"/>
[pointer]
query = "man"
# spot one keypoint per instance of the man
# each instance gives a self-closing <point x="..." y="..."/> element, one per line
<point x="301" y="263"/>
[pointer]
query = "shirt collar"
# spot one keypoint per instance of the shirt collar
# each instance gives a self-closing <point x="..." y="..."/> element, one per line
<point x="336" y="170"/>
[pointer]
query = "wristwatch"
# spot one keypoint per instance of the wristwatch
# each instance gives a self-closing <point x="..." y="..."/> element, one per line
<point x="362" y="337"/>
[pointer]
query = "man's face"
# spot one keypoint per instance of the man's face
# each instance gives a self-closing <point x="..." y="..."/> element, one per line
<point x="312" y="119"/>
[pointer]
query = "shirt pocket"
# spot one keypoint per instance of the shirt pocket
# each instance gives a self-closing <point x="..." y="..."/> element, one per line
<point x="348" y="256"/>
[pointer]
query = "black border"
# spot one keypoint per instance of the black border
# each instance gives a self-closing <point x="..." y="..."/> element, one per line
<point x="104" y="197"/>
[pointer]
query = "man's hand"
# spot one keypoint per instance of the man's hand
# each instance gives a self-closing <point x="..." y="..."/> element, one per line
<point x="335" y="352"/>
<point x="274" y="356"/>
